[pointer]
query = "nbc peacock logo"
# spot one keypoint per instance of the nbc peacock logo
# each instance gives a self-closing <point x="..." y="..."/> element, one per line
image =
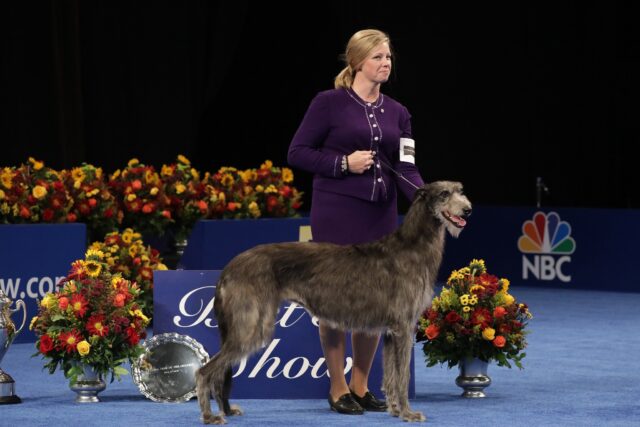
<point x="546" y="245"/>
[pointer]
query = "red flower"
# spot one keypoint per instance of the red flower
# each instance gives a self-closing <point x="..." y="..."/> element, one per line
<point x="95" y="325"/>
<point x="132" y="336"/>
<point x="63" y="303"/>
<point x="452" y="317"/>
<point x="46" y="344"/>
<point x="71" y="217"/>
<point x="47" y="215"/>
<point x="432" y="331"/>
<point x="499" y="341"/>
<point x="69" y="340"/>
<point x="79" y="305"/>
<point x="481" y="316"/>
<point x="119" y="300"/>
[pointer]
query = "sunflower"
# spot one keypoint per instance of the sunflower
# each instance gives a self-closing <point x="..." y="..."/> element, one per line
<point x="93" y="268"/>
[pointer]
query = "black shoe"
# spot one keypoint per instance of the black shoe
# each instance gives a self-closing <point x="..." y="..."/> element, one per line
<point x="369" y="402"/>
<point x="346" y="405"/>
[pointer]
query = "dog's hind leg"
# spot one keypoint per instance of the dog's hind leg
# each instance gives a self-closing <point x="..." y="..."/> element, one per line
<point x="403" y="346"/>
<point x="226" y="392"/>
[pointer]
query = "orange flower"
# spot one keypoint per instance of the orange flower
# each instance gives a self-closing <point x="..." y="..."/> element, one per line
<point x="432" y="331"/>
<point x="499" y="312"/>
<point x="499" y="341"/>
<point x="63" y="303"/>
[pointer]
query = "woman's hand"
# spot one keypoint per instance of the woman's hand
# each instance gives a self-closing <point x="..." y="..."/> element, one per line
<point x="360" y="161"/>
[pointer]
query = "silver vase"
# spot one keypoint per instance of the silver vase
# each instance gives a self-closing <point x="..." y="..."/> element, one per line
<point x="473" y="377"/>
<point x="181" y="245"/>
<point x="88" y="385"/>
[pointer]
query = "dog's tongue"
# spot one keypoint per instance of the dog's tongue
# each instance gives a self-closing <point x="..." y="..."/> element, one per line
<point x="460" y="221"/>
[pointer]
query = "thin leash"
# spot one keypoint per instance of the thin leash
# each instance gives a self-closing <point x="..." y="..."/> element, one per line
<point x="398" y="174"/>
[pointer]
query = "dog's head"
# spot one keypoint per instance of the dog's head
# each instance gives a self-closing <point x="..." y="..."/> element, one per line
<point x="447" y="202"/>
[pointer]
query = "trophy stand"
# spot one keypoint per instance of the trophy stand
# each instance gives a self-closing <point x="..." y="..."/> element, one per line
<point x="7" y="389"/>
<point x="7" y="334"/>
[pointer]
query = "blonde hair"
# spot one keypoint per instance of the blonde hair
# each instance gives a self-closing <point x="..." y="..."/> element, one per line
<point x="359" y="47"/>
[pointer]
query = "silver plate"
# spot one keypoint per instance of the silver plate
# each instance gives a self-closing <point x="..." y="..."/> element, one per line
<point x="166" y="371"/>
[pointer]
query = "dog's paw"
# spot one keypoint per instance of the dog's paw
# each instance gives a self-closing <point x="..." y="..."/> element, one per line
<point x="213" y="419"/>
<point x="394" y="410"/>
<point x="235" y="410"/>
<point x="412" y="416"/>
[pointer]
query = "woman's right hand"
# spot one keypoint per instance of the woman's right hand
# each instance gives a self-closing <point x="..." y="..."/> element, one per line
<point x="360" y="161"/>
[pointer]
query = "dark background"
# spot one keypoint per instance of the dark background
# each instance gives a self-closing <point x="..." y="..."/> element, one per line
<point x="500" y="93"/>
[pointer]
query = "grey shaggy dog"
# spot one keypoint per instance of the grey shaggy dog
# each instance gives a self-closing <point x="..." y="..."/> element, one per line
<point x="381" y="286"/>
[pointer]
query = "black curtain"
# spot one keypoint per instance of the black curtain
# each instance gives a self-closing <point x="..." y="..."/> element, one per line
<point x="500" y="94"/>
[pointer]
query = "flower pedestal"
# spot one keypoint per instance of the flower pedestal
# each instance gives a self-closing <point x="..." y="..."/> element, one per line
<point x="88" y="385"/>
<point x="473" y="377"/>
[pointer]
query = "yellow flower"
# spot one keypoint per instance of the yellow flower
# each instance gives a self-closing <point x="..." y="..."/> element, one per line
<point x="39" y="192"/>
<point x="4" y="208"/>
<point x="93" y="268"/>
<point x="133" y="162"/>
<point x="37" y="165"/>
<point x="259" y="188"/>
<point x="455" y="275"/>
<point x="473" y="300"/>
<point x="154" y="191"/>
<point x="115" y="175"/>
<point x="33" y="322"/>
<point x="161" y="266"/>
<point x="505" y="284"/>
<point x="227" y="180"/>
<point x="131" y="197"/>
<point x="182" y="159"/>
<point x="477" y="266"/>
<point x="271" y="189"/>
<point x="195" y="174"/>
<point x="268" y="164"/>
<point x="464" y="299"/>
<point x="476" y="288"/>
<point x="254" y="209"/>
<point x="180" y="188"/>
<point x="466" y="309"/>
<point x="166" y="170"/>
<point x="287" y="175"/>
<point x="93" y="192"/>
<point x="77" y="174"/>
<point x="509" y="299"/>
<point x="488" y="334"/>
<point x="98" y="173"/>
<point x="6" y="177"/>
<point x="94" y="252"/>
<point x="150" y="177"/>
<point x="48" y="301"/>
<point x="2" y="196"/>
<point x="83" y="347"/>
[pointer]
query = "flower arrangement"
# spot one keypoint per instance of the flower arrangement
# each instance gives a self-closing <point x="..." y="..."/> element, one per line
<point x="186" y="194"/>
<point x="125" y="254"/>
<point x="33" y="193"/>
<point x="139" y="190"/>
<point x="93" y="319"/>
<point x="231" y="194"/>
<point x="93" y="203"/>
<point x="474" y="316"/>
<point x="275" y="195"/>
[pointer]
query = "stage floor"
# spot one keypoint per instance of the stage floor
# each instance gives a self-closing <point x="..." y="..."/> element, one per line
<point x="581" y="369"/>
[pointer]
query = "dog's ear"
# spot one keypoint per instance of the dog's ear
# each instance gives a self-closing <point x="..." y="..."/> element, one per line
<point x="421" y="193"/>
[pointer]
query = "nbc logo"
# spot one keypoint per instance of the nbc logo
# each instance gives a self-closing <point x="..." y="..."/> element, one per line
<point x="548" y="241"/>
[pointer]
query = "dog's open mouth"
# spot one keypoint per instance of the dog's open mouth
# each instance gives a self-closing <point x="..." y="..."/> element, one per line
<point x="455" y="219"/>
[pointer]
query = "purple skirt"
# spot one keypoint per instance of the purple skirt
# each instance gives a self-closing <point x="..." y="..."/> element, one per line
<point x="336" y="218"/>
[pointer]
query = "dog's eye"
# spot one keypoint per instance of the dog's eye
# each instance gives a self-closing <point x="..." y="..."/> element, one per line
<point x="444" y="194"/>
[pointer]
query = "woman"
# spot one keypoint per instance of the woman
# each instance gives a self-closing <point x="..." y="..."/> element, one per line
<point x="350" y="138"/>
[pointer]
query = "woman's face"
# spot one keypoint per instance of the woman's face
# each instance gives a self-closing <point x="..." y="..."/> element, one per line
<point x="377" y="67"/>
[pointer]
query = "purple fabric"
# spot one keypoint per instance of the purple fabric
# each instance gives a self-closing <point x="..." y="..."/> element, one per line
<point x="338" y="122"/>
<point x="341" y="219"/>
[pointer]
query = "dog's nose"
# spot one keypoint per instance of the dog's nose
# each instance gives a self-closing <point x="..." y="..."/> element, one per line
<point x="467" y="212"/>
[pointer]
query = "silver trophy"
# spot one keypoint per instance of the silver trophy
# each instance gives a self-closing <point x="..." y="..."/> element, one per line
<point x="7" y="333"/>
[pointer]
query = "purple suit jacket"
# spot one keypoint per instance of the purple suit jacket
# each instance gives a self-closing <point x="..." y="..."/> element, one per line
<point x="338" y="122"/>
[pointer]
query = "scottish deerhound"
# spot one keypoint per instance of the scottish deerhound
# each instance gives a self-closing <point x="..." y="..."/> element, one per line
<point x="381" y="286"/>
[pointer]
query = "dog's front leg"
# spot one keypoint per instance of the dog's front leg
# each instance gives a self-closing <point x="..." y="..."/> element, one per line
<point x="389" y="373"/>
<point x="403" y="343"/>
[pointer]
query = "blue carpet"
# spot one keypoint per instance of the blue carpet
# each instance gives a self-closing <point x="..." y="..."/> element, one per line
<point x="581" y="369"/>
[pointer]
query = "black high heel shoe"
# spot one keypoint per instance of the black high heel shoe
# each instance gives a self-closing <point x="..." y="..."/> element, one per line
<point x="369" y="402"/>
<point x="346" y="405"/>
